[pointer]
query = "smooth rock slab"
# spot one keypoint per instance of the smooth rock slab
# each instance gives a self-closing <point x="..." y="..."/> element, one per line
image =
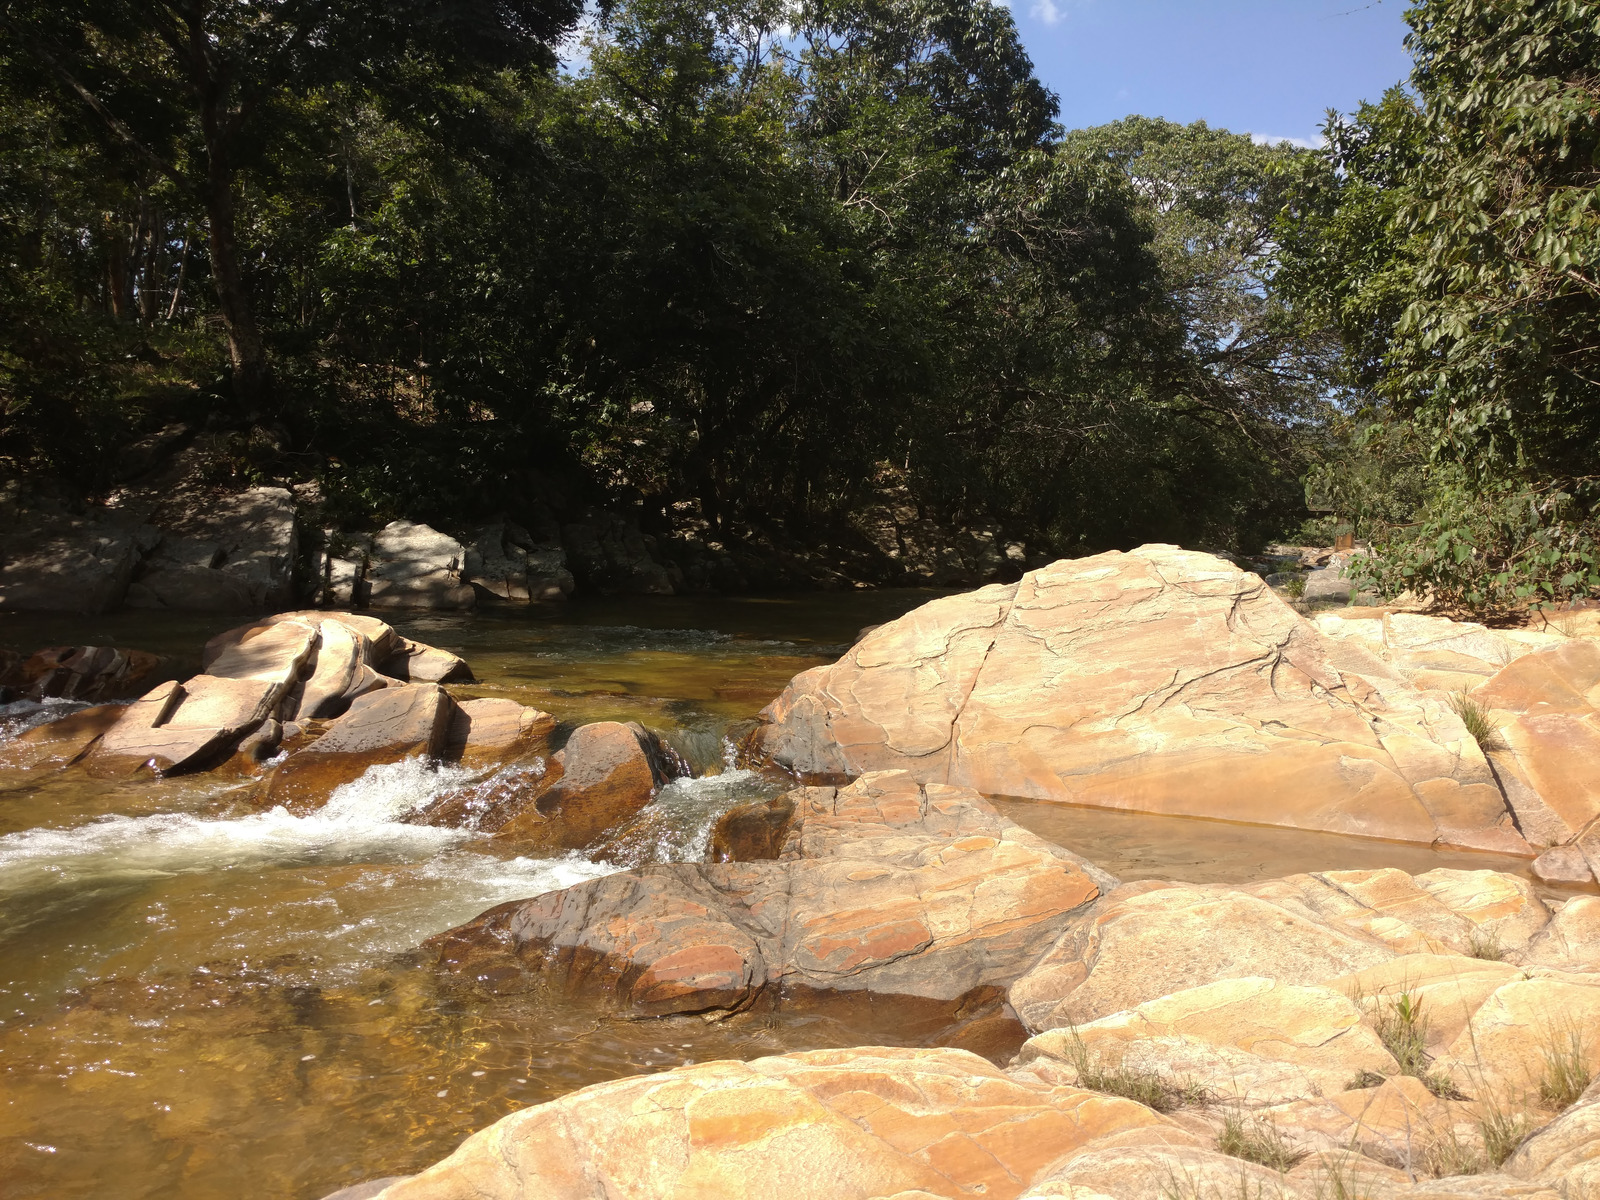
<point x="885" y="888"/>
<point x="840" y="1124"/>
<point x="1154" y="681"/>
<point x="184" y="727"/>
<point x="61" y="742"/>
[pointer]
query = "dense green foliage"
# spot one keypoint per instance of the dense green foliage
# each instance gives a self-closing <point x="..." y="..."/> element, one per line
<point x="1453" y="237"/>
<point x="741" y="266"/>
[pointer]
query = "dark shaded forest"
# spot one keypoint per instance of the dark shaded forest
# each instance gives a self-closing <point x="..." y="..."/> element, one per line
<point x="740" y="267"/>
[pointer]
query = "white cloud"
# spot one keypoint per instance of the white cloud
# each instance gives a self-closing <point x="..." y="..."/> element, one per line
<point x="1270" y="139"/>
<point x="1046" y="10"/>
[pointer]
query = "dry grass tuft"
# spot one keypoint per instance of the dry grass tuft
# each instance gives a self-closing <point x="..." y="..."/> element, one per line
<point x="1259" y="1142"/>
<point x="1476" y="718"/>
<point x="1149" y="1088"/>
<point x="1566" y="1068"/>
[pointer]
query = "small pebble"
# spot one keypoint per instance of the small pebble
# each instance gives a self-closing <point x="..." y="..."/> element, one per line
<point x="307" y="1057"/>
<point x="478" y="1074"/>
<point x="443" y="1093"/>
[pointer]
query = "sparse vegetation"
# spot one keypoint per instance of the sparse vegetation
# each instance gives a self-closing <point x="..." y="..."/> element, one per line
<point x="1502" y="1133"/>
<point x="1189" y="1188"/>
<point x="1149" y="1088"/>
<point x="1258" y="1141"/>
<point x="1566" y="1068"/>
<point x="1485" y="945"/>
<point x="1340" y="1180"/>
<point x="1365" y="1079"/>
<point x="1477" y="720"/>
<point x="1403" y="1029"/>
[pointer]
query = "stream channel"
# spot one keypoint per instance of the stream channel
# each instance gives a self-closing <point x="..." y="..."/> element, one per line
<point x="199" y="999"/>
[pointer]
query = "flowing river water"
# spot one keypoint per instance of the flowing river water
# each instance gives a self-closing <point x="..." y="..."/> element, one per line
<point x="199" y="999"/>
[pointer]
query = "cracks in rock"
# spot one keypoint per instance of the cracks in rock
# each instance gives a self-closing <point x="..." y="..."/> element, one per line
<point x="953" y="740"/>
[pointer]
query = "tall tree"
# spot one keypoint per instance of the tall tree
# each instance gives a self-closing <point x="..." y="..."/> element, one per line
<point x="198" y="91"/>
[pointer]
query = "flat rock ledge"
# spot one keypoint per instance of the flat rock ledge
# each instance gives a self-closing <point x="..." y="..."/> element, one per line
<point x="1166" y="681"/>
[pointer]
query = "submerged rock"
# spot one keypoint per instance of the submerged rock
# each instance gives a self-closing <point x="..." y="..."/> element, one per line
<point x="1156" y="681"/>
<point x="884" y="889"/>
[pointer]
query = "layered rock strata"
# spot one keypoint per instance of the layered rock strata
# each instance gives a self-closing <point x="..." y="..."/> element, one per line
<point x="887" y="888"/>
<point x="1158" y="681"/>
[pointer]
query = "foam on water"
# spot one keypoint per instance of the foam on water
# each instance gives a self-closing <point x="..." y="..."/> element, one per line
<point x="677" y="825"/>
<point x="360" y="823"/>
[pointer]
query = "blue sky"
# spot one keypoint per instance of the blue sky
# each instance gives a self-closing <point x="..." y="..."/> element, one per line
<point x="1268" y="67"/>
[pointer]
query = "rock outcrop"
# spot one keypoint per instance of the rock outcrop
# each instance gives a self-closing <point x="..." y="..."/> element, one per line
<point x="89" y="673"/>
<point x="886" y="888"/>
<point x="845" y="1124"/>
<point x="1159" y="681"/>
<point x="415" y="566"/>
<point x="1146" y="940"/>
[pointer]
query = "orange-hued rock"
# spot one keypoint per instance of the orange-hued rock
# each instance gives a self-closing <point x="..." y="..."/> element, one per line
<point x="89" y="673"/>
<point x="380" y="727"/>
<point x="380" y="635"/>
<point x="1251" y="1041"/>
<point x="417" y="662"/>
<point x="490" y="731"/>
<point x="1546" y="706"/>
<point x="753" y="832"/>
<point x="886" y="887"/>
<point x="841" y="1124"/>
<point x="60" y="742"/>
<point x="1506" y="1047"/>
<point x="1565" y="1153"/>
<point x="181" y="727"/>
<point x="340" y="670"/>
<point x="605" y="774"/>
<point x="1147" y="940"/>
<point x="1157" y="681"/>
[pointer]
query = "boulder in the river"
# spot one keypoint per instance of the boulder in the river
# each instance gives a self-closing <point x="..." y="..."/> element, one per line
<point x="186" y="726"/>
<point x="221" y="553"/>
<point x="417" y="662"/>
<point x="884" y="889"/>
<point x="340" y="671"/>
<point x="384" y="726"/>
<point x="842" y="1124"/>
<point x="1158" y="681"/>
<point x="605" y="774"/>
<point x="415" y="566"/>
<point x="505" y="565"/>
<point x="753" y="832"/>
<point x="491" y="731"/>
<point x="88" y="673"/>
<point x="60" y="742"/>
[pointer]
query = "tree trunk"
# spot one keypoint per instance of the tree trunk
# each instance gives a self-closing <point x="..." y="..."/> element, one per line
<point x="245" y="347"/>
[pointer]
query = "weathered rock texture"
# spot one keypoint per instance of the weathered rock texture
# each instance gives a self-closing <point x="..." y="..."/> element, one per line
<point x="88" y="673"/>
<point x="1143" y="941"/>
<point x="886" y="887"/>
<point x="416" y="566"/>
<point x="1158" y="681"/>
<point x="841" y="1124"/>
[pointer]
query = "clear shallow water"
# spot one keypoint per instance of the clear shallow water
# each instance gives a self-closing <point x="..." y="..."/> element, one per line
<point x="199" y="999"/>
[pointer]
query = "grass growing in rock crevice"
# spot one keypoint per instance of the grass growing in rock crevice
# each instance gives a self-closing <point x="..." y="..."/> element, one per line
<point x="1259" y="1142"/>
<point x="1402" y="1027"/>
<point x="1149" y="1088"/>
<point x="1485" y="945"/>
<point x="1566" y="1068"/>
<point x="1476" y="718"/>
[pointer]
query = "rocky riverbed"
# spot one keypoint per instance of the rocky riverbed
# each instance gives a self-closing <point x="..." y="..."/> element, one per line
<point x="908" y="991"/>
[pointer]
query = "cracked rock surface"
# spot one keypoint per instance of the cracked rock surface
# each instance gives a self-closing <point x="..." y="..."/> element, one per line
<point x="1158" y="680"/>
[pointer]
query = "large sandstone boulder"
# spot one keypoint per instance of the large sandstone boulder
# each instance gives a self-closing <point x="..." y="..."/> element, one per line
<point x="60" y="742"/>
<point x="66" y="564"/>
<point x="415" y="566"/>
<point x="221" y="553"/>
<point x="841" y="1124"/>
<point x="605" y="774"/>
<point x="886" y="888"/>
<point x="1565" y="1153"/>
<point x="1157" y="681"/>
<point x="505" y="565"/>
<point x="1546" y="706"/>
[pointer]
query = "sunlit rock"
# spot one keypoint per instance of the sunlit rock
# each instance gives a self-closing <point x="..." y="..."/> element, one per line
<point x="886" y="888"/>
<point x="385" y="726"/>
<point x="415" y="566"/>
<point x="1157" y="681"/>
<point x="60" y="742"/>
<point x="846" y="1124"/>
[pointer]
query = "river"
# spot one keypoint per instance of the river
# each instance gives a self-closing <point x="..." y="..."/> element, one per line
<point x="199" y="999"/>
